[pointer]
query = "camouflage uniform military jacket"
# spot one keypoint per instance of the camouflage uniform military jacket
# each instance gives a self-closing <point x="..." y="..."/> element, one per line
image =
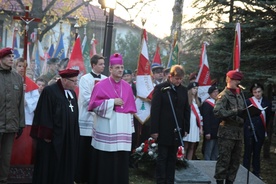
<point x="226" y="108"/>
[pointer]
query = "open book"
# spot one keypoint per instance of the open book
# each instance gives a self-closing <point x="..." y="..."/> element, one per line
<point x="253" y="111"/>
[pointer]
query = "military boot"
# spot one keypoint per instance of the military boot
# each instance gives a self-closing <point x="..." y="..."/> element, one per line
<point x="220" y="181"/>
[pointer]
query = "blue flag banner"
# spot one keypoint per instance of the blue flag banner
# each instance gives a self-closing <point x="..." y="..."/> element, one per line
<point x="59" y="51"/>
<point x="51" y="50"/>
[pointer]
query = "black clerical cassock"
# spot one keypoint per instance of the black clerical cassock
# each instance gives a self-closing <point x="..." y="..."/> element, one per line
<point x="56" y="129"/>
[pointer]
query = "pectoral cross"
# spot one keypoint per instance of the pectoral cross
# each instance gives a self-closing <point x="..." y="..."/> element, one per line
<point x="71" y="106"/>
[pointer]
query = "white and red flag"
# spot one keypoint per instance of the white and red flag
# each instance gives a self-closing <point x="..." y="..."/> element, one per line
<point x="144" y="84"/>
<point x="203" y="77"/>
<point x="143" y="79"/>
<point x="237" y="48"/>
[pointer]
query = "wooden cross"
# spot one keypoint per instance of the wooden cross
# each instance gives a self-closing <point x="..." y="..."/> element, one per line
<point x="26" y="19"/>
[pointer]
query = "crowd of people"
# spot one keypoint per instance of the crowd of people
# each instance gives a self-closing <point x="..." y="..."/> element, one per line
<point x="88" y="137"/>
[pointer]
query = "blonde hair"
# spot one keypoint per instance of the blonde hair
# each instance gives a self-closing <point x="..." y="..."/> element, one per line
<point x="177" y="70"/>
<point x="19" y="60"/>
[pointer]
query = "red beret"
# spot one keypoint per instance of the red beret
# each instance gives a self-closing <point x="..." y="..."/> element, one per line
<point x="6" y="51"/>
<point x="67" y="73"/>
<point x="235" y="75"/>
<point x="116" y="59"/>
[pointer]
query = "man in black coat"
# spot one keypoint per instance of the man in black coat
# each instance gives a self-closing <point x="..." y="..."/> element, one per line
<point x="56" y="130"/>
<point x="163" y="123"/>
<point x="252" y="148"/>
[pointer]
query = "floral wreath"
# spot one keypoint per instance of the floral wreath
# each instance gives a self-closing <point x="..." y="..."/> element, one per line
<point x="146" y="153"/>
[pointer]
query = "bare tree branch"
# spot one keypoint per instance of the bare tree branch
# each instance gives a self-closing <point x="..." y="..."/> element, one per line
<point x="60" y="18"/>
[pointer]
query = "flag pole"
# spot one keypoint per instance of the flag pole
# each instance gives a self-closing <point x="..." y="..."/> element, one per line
<point x="237" y="47"/>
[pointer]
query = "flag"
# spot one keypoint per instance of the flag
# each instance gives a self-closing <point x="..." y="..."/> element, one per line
<point x="157" y="58"/>
<point x="143" y="80"/>
<point x="237" y="47"/>
<point x="59" y="51"/>
<point x="34" y="36"/>
<point x="38" y="56"/>
<point x="203" y="77"/>
<point x="15" y="45"/>
<point x="38" y="51"/>
<point x="143" y="110"/>
<point x="93" y="43"/>
<point x="174" y="59"/>
<point x="30" y="85"/>
<point x="51" y="50"/>
<point x="86" y="53"/>
<point x="76" y="60"/>
<point x="144" y="83"/>
<point x="83" y="43"/>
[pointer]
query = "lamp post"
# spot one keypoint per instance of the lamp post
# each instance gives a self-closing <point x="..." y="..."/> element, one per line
<point x="110" y="4"/>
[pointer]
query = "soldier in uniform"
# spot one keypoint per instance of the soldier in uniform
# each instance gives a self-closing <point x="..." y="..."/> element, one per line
<point x="228" y="107"/>
<point x="51" y="70"/>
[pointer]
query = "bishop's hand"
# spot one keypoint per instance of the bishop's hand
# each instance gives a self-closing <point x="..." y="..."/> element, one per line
<point x="118" y="101"/>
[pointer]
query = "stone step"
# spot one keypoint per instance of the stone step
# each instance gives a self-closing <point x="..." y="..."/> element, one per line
<point x="191" y="175"/>
<point x="201" y="172"/>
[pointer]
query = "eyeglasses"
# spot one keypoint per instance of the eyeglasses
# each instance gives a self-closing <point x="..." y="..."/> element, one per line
<point x="75" y="81"/>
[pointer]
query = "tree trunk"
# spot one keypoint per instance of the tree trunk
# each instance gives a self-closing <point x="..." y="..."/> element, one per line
<point x="177" y="18"/>
<point x="231" y="11"/>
